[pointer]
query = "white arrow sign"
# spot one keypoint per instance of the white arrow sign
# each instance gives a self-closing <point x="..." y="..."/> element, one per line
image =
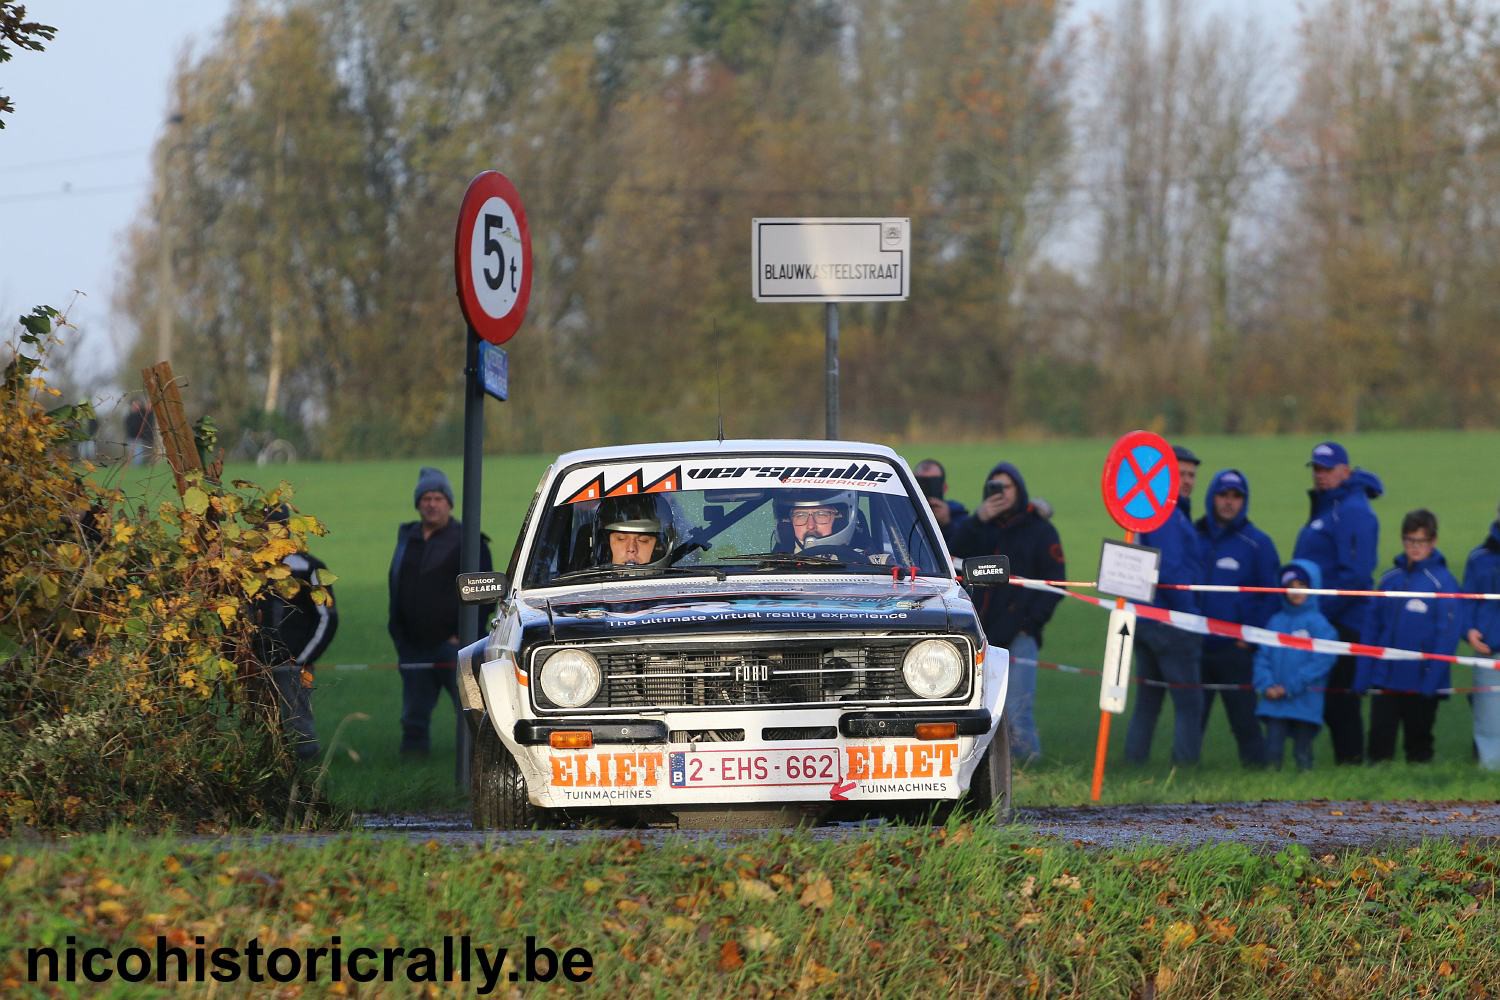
<point x="1119" y="645"/>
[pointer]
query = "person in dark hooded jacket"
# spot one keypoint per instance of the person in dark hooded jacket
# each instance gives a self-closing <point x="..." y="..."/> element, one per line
<point x="291" y="633"/>
<point x="1481" y="627"/>
<point x="1238" y="554"/>
<point x="1406" y="691"/>
<point x="1168" y="655"/>
<point x="1342" y="536"/>
<point x="1006" y="523"/>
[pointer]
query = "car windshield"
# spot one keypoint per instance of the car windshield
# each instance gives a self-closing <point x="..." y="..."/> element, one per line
<point x="736" y="515"/>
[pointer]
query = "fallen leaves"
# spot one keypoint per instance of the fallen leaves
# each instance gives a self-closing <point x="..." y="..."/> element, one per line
<point x="818" y="894"/>
<point x="1179" y="934"/>
<point x="731" y="957"/>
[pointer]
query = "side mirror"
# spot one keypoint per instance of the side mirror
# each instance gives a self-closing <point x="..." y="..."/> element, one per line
<point x="986" y="571"/>
<point x="482" y="588"/>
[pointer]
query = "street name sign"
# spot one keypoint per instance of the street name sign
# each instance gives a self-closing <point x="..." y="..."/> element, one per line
<point x="831" y="260"/>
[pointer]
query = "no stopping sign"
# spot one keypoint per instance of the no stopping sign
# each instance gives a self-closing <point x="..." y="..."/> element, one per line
<point x="1140" y="481"/>
<point x="492" y="257"/>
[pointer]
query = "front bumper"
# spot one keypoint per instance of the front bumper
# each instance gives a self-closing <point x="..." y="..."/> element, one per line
<point x="875" y="755"/>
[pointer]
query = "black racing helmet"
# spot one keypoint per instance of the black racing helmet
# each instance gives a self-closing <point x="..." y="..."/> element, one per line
<point x="634" y="515"/>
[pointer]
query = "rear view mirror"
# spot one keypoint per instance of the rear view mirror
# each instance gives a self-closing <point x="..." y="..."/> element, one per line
<point x="482" y="588"/>
<point x="986" y="571"/>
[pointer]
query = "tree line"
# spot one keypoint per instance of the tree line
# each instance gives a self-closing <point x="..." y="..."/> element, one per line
<point x="1155" y="217"/>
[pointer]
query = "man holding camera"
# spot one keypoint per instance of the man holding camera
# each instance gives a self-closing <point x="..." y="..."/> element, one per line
<point x="933" y="479"/>
<point x="1007" y="523"/>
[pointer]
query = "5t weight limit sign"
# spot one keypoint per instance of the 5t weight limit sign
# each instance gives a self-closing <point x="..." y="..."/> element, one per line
<point x="492" y="257"/>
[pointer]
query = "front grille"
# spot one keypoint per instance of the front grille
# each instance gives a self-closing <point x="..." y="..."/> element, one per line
<point x="646" y="675"/>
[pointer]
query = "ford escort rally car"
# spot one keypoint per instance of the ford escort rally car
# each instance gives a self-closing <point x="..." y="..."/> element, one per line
<point x="705" y="632"/>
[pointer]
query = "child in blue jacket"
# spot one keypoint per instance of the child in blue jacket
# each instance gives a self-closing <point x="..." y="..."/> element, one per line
<point x="1290" y="681"/>
<point x="1405" y="692"/>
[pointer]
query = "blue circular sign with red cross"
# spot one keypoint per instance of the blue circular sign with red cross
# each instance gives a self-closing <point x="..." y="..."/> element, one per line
<point x="1140" y="481"/>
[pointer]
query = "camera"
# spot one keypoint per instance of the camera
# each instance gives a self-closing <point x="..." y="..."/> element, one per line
<point x="992" y="487"/>
<point x="931" y="486"/>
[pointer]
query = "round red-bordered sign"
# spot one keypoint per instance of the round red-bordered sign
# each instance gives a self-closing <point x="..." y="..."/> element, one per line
<point x="492" y="257"/>
<point x="1140" y="481"/>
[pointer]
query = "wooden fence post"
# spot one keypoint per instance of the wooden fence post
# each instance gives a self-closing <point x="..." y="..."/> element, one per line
<point x="171" y="421"/>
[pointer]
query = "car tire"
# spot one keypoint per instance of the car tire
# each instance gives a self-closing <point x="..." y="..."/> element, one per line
<point x="989" y="789"/>
<point x="497" y="789"/>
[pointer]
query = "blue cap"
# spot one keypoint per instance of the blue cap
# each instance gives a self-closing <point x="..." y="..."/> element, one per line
<point x="1185" y="454"/>
<point x="1328" y="454"/>
<point x="1292" y="573"/>
<point x="1230" y="479"/>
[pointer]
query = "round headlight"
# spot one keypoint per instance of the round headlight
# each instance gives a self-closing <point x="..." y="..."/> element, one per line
<point x="933" y="668"/>
<point x="570" y="679"/>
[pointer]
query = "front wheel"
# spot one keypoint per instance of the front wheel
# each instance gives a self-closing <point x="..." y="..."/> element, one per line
<point x="989" y="790"/>
<point x="497" y="789"/>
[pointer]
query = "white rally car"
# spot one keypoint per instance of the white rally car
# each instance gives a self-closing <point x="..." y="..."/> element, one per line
<point x="709" y="632"/>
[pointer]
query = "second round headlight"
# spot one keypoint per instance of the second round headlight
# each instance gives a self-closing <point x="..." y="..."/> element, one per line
<point x="570" y="678"/>
<point x="933" y="668"/>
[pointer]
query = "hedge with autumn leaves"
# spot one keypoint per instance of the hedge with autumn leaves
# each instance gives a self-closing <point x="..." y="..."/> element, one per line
<point x="129" y="693"/>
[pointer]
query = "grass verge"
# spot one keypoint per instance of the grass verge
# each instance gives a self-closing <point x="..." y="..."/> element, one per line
<point x="898" y="911"/>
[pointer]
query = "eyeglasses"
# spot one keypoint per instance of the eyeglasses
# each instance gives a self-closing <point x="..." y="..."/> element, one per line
<point x="1416" y="540"/>
<point x="801" y="518"/>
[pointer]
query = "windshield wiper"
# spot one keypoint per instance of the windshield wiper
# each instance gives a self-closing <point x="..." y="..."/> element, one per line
<point x="786" y="559"/>
<point x="636" y="572"/>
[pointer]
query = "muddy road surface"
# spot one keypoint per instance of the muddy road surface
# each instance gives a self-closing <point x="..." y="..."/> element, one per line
<point x="1320" y="826"/>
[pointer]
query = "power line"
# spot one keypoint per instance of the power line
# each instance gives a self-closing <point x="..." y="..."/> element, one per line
<point x="72" y="160"/>
<point x="71" y="192"/>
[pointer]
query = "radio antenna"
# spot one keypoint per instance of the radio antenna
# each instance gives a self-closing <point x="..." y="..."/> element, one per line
<point x="718" y="391"/>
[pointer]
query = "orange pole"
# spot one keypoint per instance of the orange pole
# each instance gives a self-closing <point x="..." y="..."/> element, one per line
<point x="1101" y="749"/>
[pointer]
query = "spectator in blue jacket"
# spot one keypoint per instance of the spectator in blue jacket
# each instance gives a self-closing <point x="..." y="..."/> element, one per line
<point x="1170" y="655"/>
<point x="1187" y="476"/>
<point x="1290" y="681"/>
<point x="1006" y="523"/>
<point x="1342" y="536"/>
<point x="1235" y="553"/>
<point x="933" y="479"/>
<point x="1405" y="692"/>
<point x="1482" y="630"/>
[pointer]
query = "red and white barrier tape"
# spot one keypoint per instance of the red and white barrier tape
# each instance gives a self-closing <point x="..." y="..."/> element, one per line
<point x="1095" y="672"/>
<point x="1260" y="636"/>
<point x="1225" y="588"/>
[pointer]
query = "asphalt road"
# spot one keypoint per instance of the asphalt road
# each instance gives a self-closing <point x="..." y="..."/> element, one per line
<point x="1320" y="826"/>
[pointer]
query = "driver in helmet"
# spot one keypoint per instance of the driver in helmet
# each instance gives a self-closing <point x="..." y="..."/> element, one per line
<point x="811" y="521"/>
<point x="634" y="532"/>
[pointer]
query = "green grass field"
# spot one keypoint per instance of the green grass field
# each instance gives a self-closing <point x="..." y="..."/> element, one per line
<point x="899" y="912"/>
<point x="362" y="503"/>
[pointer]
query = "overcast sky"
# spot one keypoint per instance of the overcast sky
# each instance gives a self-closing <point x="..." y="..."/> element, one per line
<point x="75" y="156"/>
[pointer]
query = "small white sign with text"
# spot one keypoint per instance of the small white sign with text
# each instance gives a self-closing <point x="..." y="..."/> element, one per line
<point x="1128" y="571"/>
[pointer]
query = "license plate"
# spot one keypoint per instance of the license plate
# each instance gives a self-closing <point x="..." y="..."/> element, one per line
<point x="740" y="768"/>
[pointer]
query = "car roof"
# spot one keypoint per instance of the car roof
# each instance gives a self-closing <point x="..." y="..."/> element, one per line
<point x="730" y="447"/>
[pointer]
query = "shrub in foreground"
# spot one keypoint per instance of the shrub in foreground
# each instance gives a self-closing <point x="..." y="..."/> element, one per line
<point x="128" y="684"/>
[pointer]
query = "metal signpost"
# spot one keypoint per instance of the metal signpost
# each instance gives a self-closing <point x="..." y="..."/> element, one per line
<point x="831" y="261"/>
<point x="492" y="267"/>
<point x="1140" y="492"/>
